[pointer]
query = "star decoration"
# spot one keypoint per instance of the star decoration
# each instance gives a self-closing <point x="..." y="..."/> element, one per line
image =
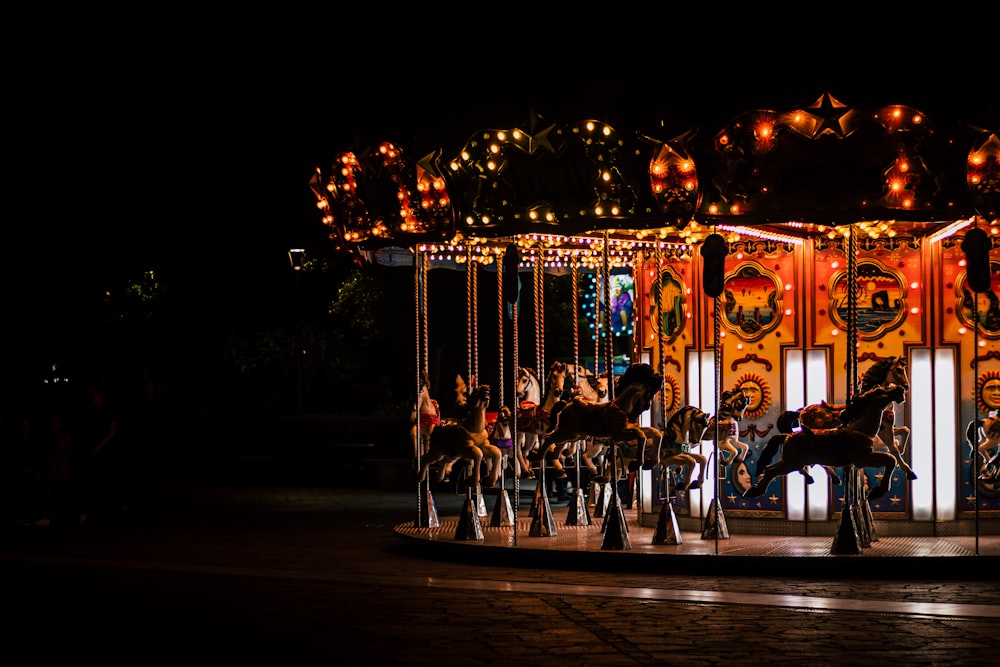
<point x="773" y="498"/>
<point x="830" y="113"/>
<point x="429" y="163"/>
<point x="540" y="141"/>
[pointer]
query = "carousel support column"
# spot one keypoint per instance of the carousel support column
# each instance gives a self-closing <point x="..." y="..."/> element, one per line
<point x="667" y="530"/>
<point x="503" y="513"/>
<point x="615" y="528"/>
<point x="848" y="539"/>
<point x="578" y="513"/>
<point x="542" y="523"/>
<point x="469" y="527"/>
<point x="477" y="494"/>
<point x="715" y="521"/>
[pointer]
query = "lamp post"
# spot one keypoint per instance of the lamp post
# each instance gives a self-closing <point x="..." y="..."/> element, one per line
<point x="296" y="257"/>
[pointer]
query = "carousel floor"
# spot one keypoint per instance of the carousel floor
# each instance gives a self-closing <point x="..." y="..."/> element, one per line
<point x="656" y="543"/>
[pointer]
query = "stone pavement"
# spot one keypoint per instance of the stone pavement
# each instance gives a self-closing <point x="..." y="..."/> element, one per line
<point x="318" y="575"/>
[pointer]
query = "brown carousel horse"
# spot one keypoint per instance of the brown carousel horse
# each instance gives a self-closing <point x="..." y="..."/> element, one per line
<point x="616" y="420"/>
<point x="850" y="444"/>
<point x="467" y="439"/>
<point x="883" y="373"/>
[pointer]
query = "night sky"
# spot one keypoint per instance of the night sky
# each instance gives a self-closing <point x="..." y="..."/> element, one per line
<point x="188" y="151"/>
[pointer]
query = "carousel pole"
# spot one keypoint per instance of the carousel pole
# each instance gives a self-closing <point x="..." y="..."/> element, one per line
<point x="472" y="322"/>
<point x="667" y="529"/>
<point x="578" y="513"/>
<point x="511" y="289"/>
<point x="502" y="511"/>
<point x="542" y="522"/>
<point x="715" y="523"/>
<point x="615" y="528"/>
<point x="714" y="251"/>
<point x="427" y="516"/>
<point x="849" y="538"/>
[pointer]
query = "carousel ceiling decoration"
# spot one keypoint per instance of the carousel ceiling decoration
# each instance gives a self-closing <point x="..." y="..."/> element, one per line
<point x="779" y="176"/>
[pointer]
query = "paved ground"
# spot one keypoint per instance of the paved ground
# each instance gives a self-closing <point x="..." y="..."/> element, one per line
<point x="310" y="575"/>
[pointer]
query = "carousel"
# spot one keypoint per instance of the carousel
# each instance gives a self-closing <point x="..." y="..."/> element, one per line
<point x="786" y="328"/>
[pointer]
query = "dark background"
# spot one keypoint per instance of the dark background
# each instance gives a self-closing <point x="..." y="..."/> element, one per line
<point x="184" y="147"/>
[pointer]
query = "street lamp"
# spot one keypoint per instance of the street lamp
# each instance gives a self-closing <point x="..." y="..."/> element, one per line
<point x="296" y="257"/>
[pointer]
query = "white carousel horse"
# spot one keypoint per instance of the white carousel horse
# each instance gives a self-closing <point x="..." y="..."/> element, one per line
<point x="590" y="387"/>
<point x="615" y="420"/>
<point x="467" y="439"/>
<point x="426" y="415"/>
<point x="989" y="431"/>
<point x="533" y="412"/>
<point x="851" y="444"/>
<point x="732" y="406"/>
<point x="683" y="432"/>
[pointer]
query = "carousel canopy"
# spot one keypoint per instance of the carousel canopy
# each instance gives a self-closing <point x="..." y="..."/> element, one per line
<point x="785" y="174"/>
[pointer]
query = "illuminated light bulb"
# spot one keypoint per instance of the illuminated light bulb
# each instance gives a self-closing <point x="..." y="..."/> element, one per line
<point x="734" y="209"/>
<point x="598" y="211"/>
<point x="713" y="209"/>
<point x="533" y="215"/>
<point x="722" y="334"/>
<point x="962" y="331"/>
<point x="907" y="203"/>
<point x="982" y="343"/>
<point x="918" y="119"/>
<point x="590" y="126"/>
<point x="491" y="165"/>
<point x="688" y="185"/>
<point x="834" y="264"/>
<point x="914" y="311"/>
<point x="914" y="285"/>
<point x="739" y="346"/>
<point x="788" y="312"/>
<point x="605" y="176"/>
<point x="501" y="136"/>
<point x="739" y="255"/>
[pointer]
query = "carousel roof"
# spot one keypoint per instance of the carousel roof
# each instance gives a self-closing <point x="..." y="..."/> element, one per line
<point x="787" y="175"/>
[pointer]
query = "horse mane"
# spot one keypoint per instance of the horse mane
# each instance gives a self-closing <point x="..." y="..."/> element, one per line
<point x="877" y="373"/>
<point x="859" y="403"/>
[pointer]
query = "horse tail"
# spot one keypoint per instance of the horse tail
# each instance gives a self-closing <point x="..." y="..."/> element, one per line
<point x="767" y="453"/>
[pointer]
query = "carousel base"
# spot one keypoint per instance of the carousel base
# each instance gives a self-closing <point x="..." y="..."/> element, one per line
<point x="637" y="541"/>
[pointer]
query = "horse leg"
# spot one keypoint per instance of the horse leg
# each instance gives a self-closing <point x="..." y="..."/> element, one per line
<point x="831" y="472"/>
<point x="780" y="467"/>
<point x="496" y="460"/>
<point x="805" y="473"/>
<point x="702" y="463"/>
<point x="592" y="450"/>
<point x="879" y="460"/>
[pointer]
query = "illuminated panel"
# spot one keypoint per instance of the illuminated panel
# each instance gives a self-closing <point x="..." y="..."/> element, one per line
<point x="701" y="387"/>
<point x="921" y="400"/>
<point x="945" y="431"/>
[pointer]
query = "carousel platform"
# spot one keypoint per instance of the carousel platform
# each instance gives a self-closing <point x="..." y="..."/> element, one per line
<point x="568" y="535"/>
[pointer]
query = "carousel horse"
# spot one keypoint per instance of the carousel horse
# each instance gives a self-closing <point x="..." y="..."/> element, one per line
<point x="533" y="412"/>
<point x="616" y="420"/>
<point x="466" y="439"/>
<point x="426" y="415"/>
<point x="853" y="443"/>
<point x="883" y="373"/>
<point x="989" y="431"/>
<point x="732" y="406"/>
<point x="590" y="387"/>
<point x="822" y="415"/>
<point x="684" y="430"/>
